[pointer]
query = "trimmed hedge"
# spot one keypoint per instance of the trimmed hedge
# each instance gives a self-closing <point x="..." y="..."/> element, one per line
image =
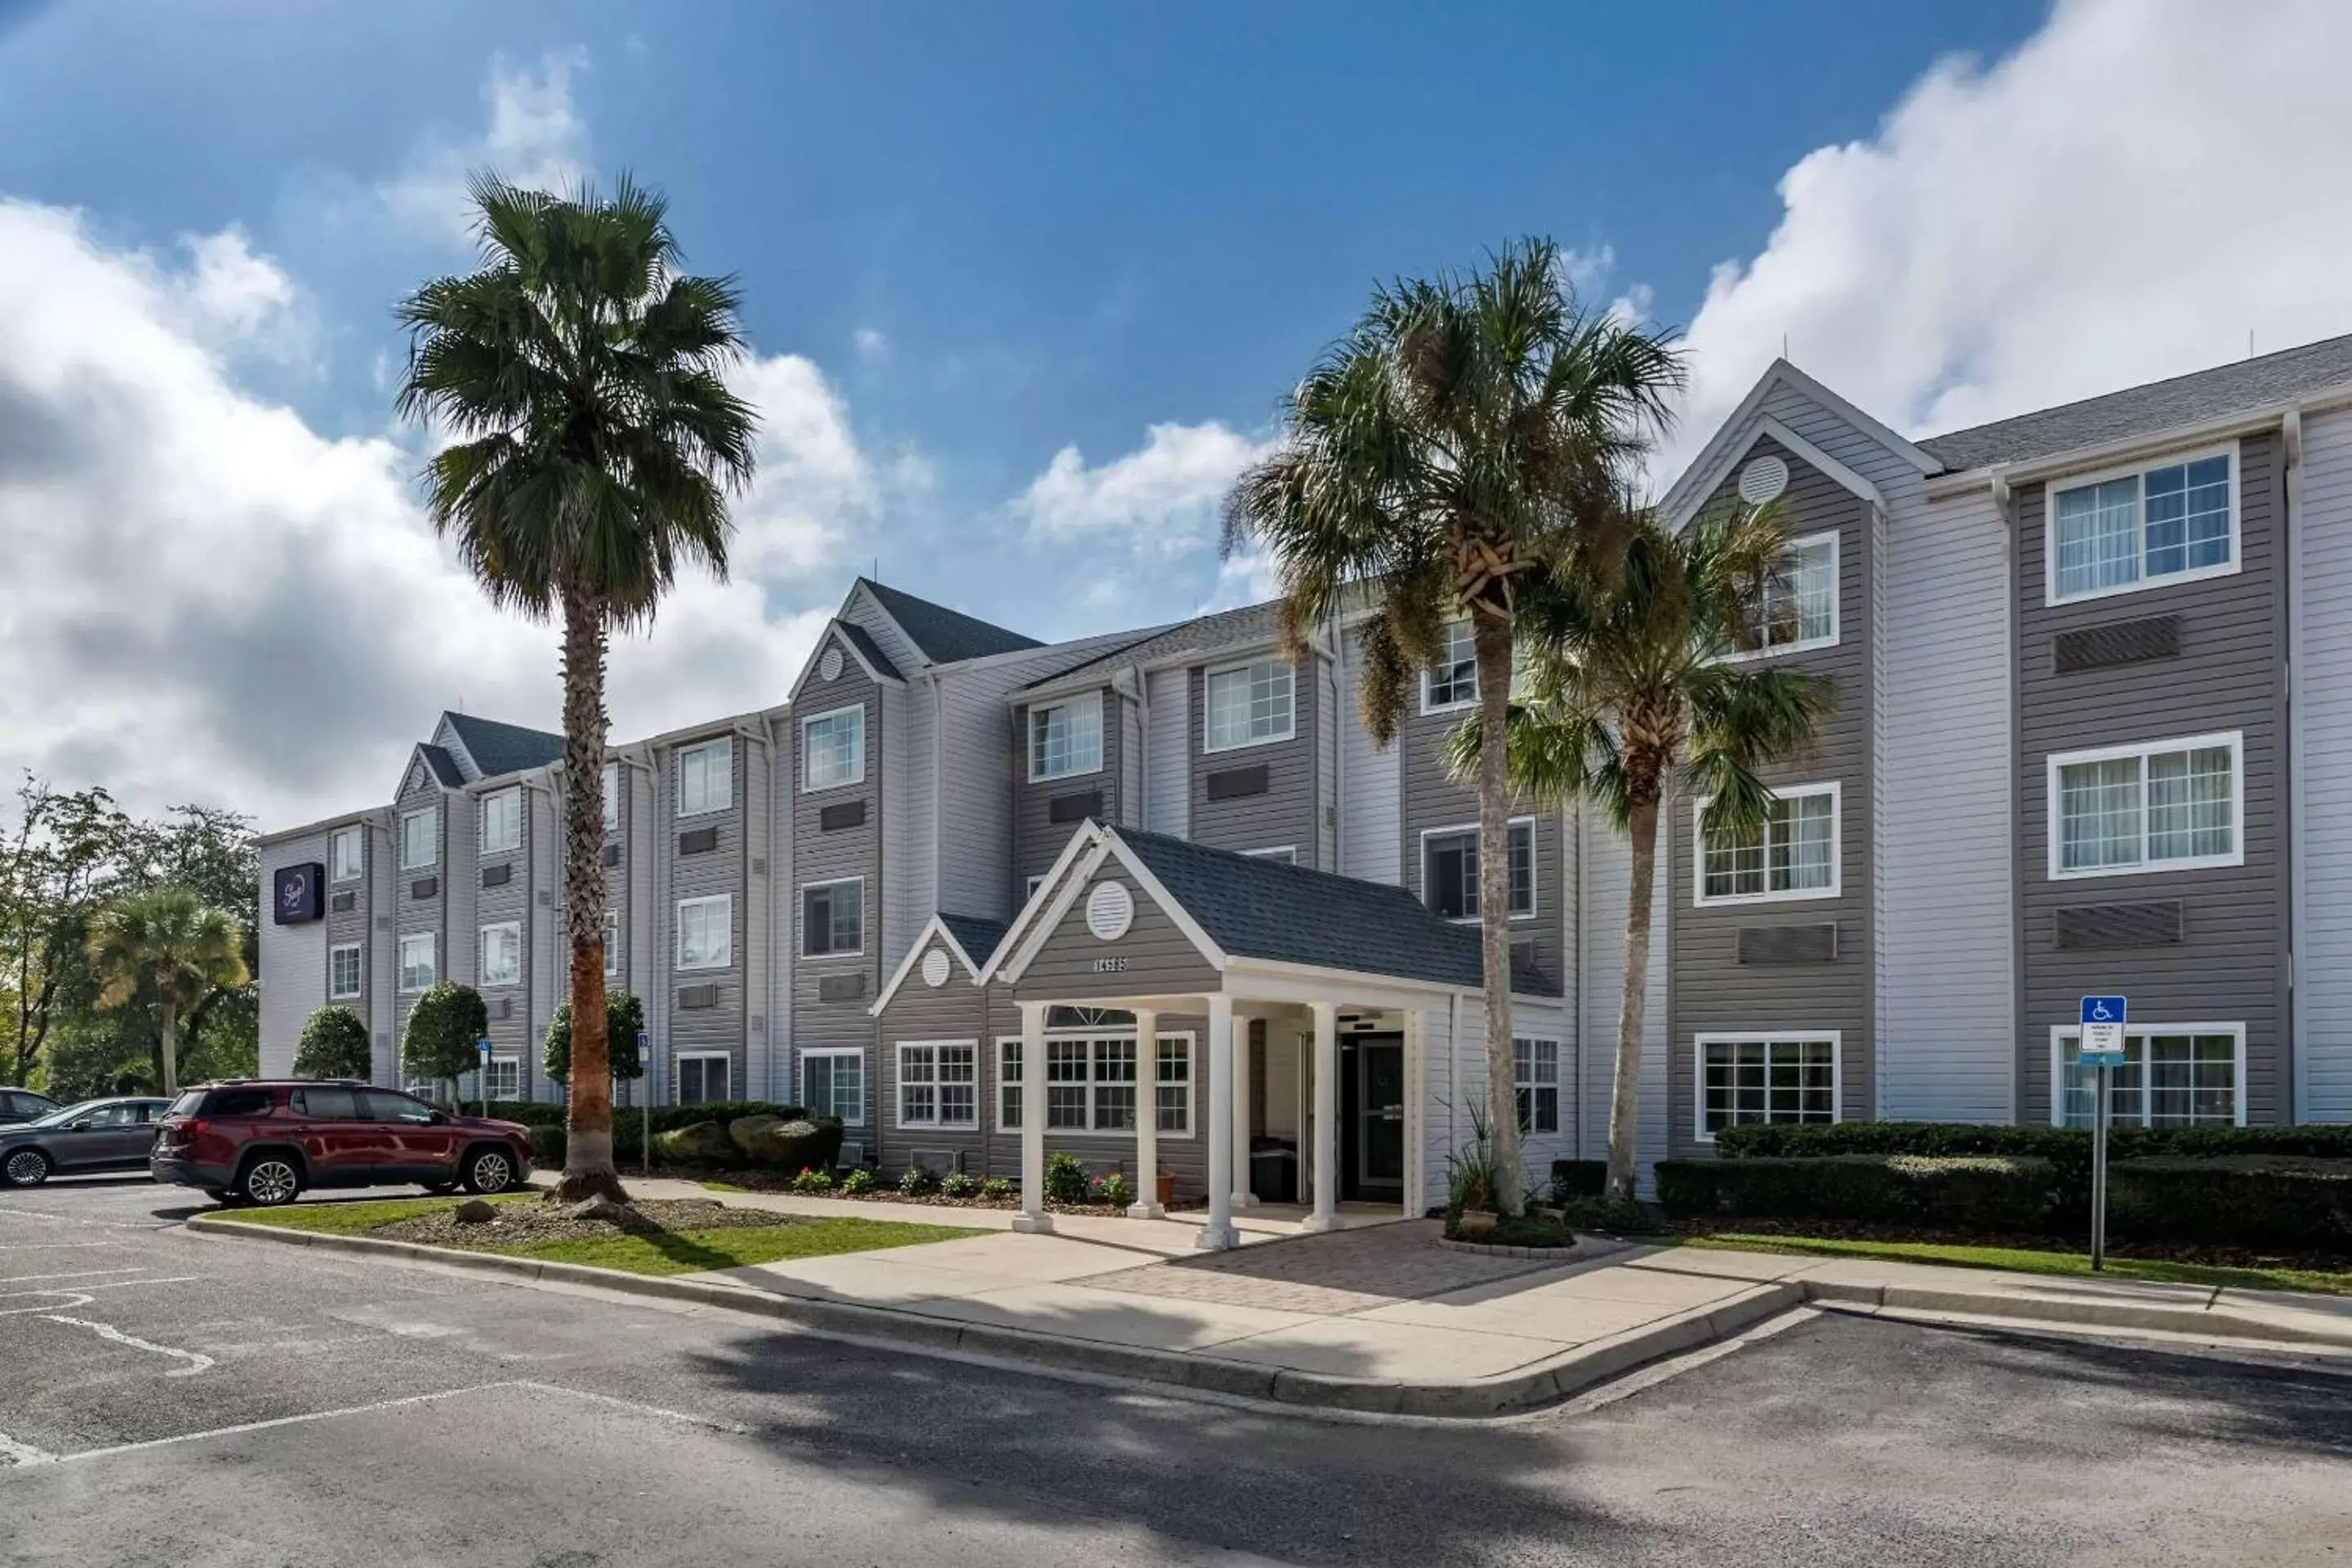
<point x="1578" y="1178"/>
<point x="2060" y="1145"/>
<point x="2248" y="1200"/>
<point x="1967" y="1192"/>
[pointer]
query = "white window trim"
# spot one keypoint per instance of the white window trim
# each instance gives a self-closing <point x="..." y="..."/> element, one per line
<point x="611" y="943"/>
<point x="1091" y="698"/>
<point x="1211" y="674"/>
<point x="400" y="961"/>
<point x="482" y="951"/>
<point x="482" y="820"/>
<point x="1699" y="895"/>
<point x="1287" y="853"/>
<point x="500" y="1060"/>
<point x="1699" y="1044"/>
<point x="808" y="788"/>
<point x="898" y="1105"/>
<point x="433" y="838"/>
<point x="812" y="1053"/>
<point x="1561" y="1076"/>
<point x="800" y="916"/>
<point x="353" y="947"/>
<point x="1535" y="866"/>
<point x="2060" y="1033"/>
<point x="1029" y="889"/>
<point x="997" y="1084"/>
<point x="1837" y="595"/>
<point x="611" y="785"/>
<point x="2229" y="568"/>
<point x="725" y="900"/>
<point x="359" y="862"/>
<point x="2236" y="740"/>
<point x="1466" y="703"/>
<point x="727" y="741"/>
<point x="677" y="1079"/>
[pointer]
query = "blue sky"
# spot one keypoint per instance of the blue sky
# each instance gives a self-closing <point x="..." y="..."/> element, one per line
<point x="1025" y="280"/>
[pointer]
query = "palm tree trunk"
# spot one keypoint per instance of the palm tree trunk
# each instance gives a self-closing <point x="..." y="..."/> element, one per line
<point x="1625" y="1093"/>
<point x="588" y="1170"/>
<point x="1491" y="638"/>
<point x="168" y="1015"/>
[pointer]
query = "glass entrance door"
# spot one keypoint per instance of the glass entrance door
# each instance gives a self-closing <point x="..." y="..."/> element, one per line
<point x="1379" y="1113"/>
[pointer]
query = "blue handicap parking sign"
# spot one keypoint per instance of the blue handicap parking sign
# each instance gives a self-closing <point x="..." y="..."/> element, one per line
<point x="2101" y="1043"/>
<point x="2103" y="1009"/>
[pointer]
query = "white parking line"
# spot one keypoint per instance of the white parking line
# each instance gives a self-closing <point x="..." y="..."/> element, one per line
<point x="81" y="1293"/>
<point x="16" y="1453"/>
<point x="196" y="1362"/>
<point x="71" y="1274"/>
<point x="53" y="1246"/>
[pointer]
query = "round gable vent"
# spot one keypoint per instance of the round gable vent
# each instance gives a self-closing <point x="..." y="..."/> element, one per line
<point x="935" y="968"/>
<point x="1111" y="910"/>
<point x="830" y="665"/>
<point x="1763" y="480"/>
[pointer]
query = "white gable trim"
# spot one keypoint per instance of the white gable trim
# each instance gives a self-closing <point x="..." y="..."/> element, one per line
<point x="1081" y="841"/>
<point x="1734" y="435"/>
<point x="1105" y="845"/>
<point x="859" y="592"/>
<point x="937" y="927"/>
<point x="446" y="736"/>
<point x="834" y="636"/>
<point x="1798" y="447"/>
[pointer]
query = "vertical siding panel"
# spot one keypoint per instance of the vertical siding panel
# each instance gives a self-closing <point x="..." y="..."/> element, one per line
<point x="1371" y="828"/>
<point x="1168" y="791"/>
<point x="2323" y="701"/>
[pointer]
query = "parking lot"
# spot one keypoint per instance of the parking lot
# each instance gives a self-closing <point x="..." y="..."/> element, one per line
<point x="166" y="1397"/>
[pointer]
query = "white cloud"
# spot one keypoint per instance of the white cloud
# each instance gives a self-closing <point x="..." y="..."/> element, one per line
<point x="2121" y="199"/>
<point x="1161" y="499"/>
<point x="871" y="344"/>
<point x="534" y="138"/>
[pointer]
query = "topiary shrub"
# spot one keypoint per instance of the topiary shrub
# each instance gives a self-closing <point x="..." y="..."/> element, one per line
<point x="812" y="1180"/>
<point x="1974" y="1193"/>
<point x="439" y="1042"/>
<point x="920" y="1181"/>
<point x="996" y="1189"/>
<point x="960" y="1184"/>
<point x="1112" y="1188"/>
<point x="334" y="1043"/>
<point x="859" y="1181"/>
<point x="1065" y="1179"/>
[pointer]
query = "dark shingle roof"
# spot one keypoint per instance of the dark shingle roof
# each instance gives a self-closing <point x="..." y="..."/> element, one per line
<point x="1251" y="624"/>
<point x="2224" y="390"/>
<point x="1256" y="908"/>
<point x="864" y="642"/>
<point x="945" y="636"/>
<point x="498" y="748"/>
<point x="444" y="766"/>
<point x="977" y="937"/>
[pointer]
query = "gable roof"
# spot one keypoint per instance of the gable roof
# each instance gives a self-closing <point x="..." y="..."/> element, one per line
<point x="977" y="937"/>
<point x="945" y="636"/>
<point x="862" y="643"/>
<point x="1732" y="438"/>
<point x="1251" y="624"/>
<point x="2159" y="406"/>
<point x="971" y="939"/>
<point x="444" y="766"/>
<point x="498" y="748"/>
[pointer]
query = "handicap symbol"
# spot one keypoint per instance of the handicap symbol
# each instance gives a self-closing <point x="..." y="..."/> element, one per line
<point x="2099" y="1014"/>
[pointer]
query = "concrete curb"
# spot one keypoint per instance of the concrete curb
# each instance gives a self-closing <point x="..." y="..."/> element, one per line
<point x="2212" y="1320"/>
<point x="1533" y="1254"/>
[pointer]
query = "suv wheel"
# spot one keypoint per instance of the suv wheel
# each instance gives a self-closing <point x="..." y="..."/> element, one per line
<point x="28" y="1168"/>
<point x="270" y="1182"/>
<point x="490" y="1171"/>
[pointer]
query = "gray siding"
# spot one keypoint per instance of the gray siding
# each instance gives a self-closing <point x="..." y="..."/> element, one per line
<point x="355" y="924"/>
<point x="1370" y="791"/>
<point x="819" y="855"/>
<point x="705" y="874"/>
<point x="1167" y="790"/>
<point x="2323" y="770"/>
<point x="410" y="914"/>
<point x="509" y="1006"/>
<point x="1710" y="991"/>
<point x="1161" y="958"/>
<point x="2230" y="966"/>
<point x="1285" y="813"/>
<point x="1038" y="841"/>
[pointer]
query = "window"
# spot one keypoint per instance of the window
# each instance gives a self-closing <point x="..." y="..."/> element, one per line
<point x="2163" y="806"/>
<point x="612" y="796"/>
<point x="1091" y="1084"/>
<point x="702" y="1077"/>
<point x="1792" y="854"/>
<point x="1799" y="607"/>
<point x="417" y="966"/>
<point x="1535" y="1073"/>
<point x="420" y="838"/>
<point x="612" y="943"/>
<point x="1452" y="680"/>
<point x="1249" y="704"/>
<point x="833" y="918"/>
<point x="504" y="1080"/>
<point x="343" y="971"/>
<point x="706" y="931"/>
<point x="501" y="820"/>
<point x="2174" y="1075"/>
<point x="939" y="1084"/>
<point x="1766" y="1078"/>
<point x="325" y="1104"/>
<point x="502" y="953"/>
<point x="345" y="853"/>
<point x="706" y="778"/>
<point x="833" y="748"/>
<point x="1449" y="871"/>
<point x="2111" y="532"/>
<point x="1029" y="888"/>
<point x="1287" y="854"/>
<point x="833" y="1083"/>
<point x="1066" y="739"/>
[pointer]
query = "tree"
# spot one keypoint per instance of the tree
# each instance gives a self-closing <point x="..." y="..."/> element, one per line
<point x="171" y="945"/>
<point x="442" y="1040"/>
<point x="334" y="1043"/>
<point x="1629" y="692"/>
<point x="593" y="446"/>
<point x="624" y="1018"/>
<point x="1469" y="431"/>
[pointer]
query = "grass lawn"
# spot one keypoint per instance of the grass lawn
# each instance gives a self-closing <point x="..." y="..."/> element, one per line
<point x="353" y="1218"/>
<point x="2026" y="1260"/>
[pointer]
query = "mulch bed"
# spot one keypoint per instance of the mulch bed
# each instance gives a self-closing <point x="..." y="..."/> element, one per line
<point x="779" y="1181"/>
<point x="2155" y="1252"/>
<point x="522" y="1222"/>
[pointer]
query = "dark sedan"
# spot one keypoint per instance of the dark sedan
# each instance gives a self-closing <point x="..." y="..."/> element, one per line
<point x="24" y="1105"/>
<point x="95" y="1135"/>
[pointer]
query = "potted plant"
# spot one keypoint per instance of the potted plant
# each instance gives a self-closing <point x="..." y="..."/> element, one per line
<point x="1166" y="1182"/>
<point x="1470" y="1183"/>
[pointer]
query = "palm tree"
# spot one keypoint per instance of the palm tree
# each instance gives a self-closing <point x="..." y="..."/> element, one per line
<point x="1469" y="431"/>
<point x="594" y="445"/>
<point x="170" y="944"/>
<point x="1629" y="692"/>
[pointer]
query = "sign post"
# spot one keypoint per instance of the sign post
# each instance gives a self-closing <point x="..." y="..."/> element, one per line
<point x="484" y="1047"/>
<point x="2102" y="1051"/>
<point x="645" y="1076"/>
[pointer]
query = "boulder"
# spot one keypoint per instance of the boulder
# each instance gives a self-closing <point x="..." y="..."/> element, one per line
<point x="790" y="1145"/>
<point x="598" y="1207"/>
<point x="698" y="1144"/>
<point x="744" y="1131"/>
<point x="475" y="1211"/>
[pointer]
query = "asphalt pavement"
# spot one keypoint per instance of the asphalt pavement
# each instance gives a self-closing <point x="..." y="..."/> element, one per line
<point x="172" y="1398"/>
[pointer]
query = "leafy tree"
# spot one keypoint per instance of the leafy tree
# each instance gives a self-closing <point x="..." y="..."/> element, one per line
<point x="168" y="944"/>
<point x="444" y="1027"/>
<point x="624" y="1017"/>
<point x="1472" y="430"/>
<point x="1628" y="693"/>
<point x="594" y="444"/>
<point x="334" y="1043"/>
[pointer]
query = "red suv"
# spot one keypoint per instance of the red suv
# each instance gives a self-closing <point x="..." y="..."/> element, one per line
<point x="264" y="1142"/>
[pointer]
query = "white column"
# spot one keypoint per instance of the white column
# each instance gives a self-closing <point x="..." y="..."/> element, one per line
<point x="1327" y="1118"/>
<point x="1147" y="1118"/>
<point x="1243" y="1197"/>
<point x="1033" y="1216"/>
<point x="1219" y="1233"/>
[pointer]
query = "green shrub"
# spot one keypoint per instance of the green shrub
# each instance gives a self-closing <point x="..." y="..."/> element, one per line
<point x="960" y="1184"/>
<point x="1969" y="1192"/>
<point x="812" y="1180"/>
<point x="1111" y="1188"/>
<point x="1525" y="1230"/>
<point x="920" y="1181"/>
<point x="996" y="1189"/>
<point x="1578" y="1179"/>
<point x="860" y="1180"/>
<point x="440" y="1041"/>
<point x="2247" y="1200"/>
<point x="624" y="1018"/>
<point x="546" y="1145"/>
<point x="334" y="1043"/>
<point x="1065" y="1179"/>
